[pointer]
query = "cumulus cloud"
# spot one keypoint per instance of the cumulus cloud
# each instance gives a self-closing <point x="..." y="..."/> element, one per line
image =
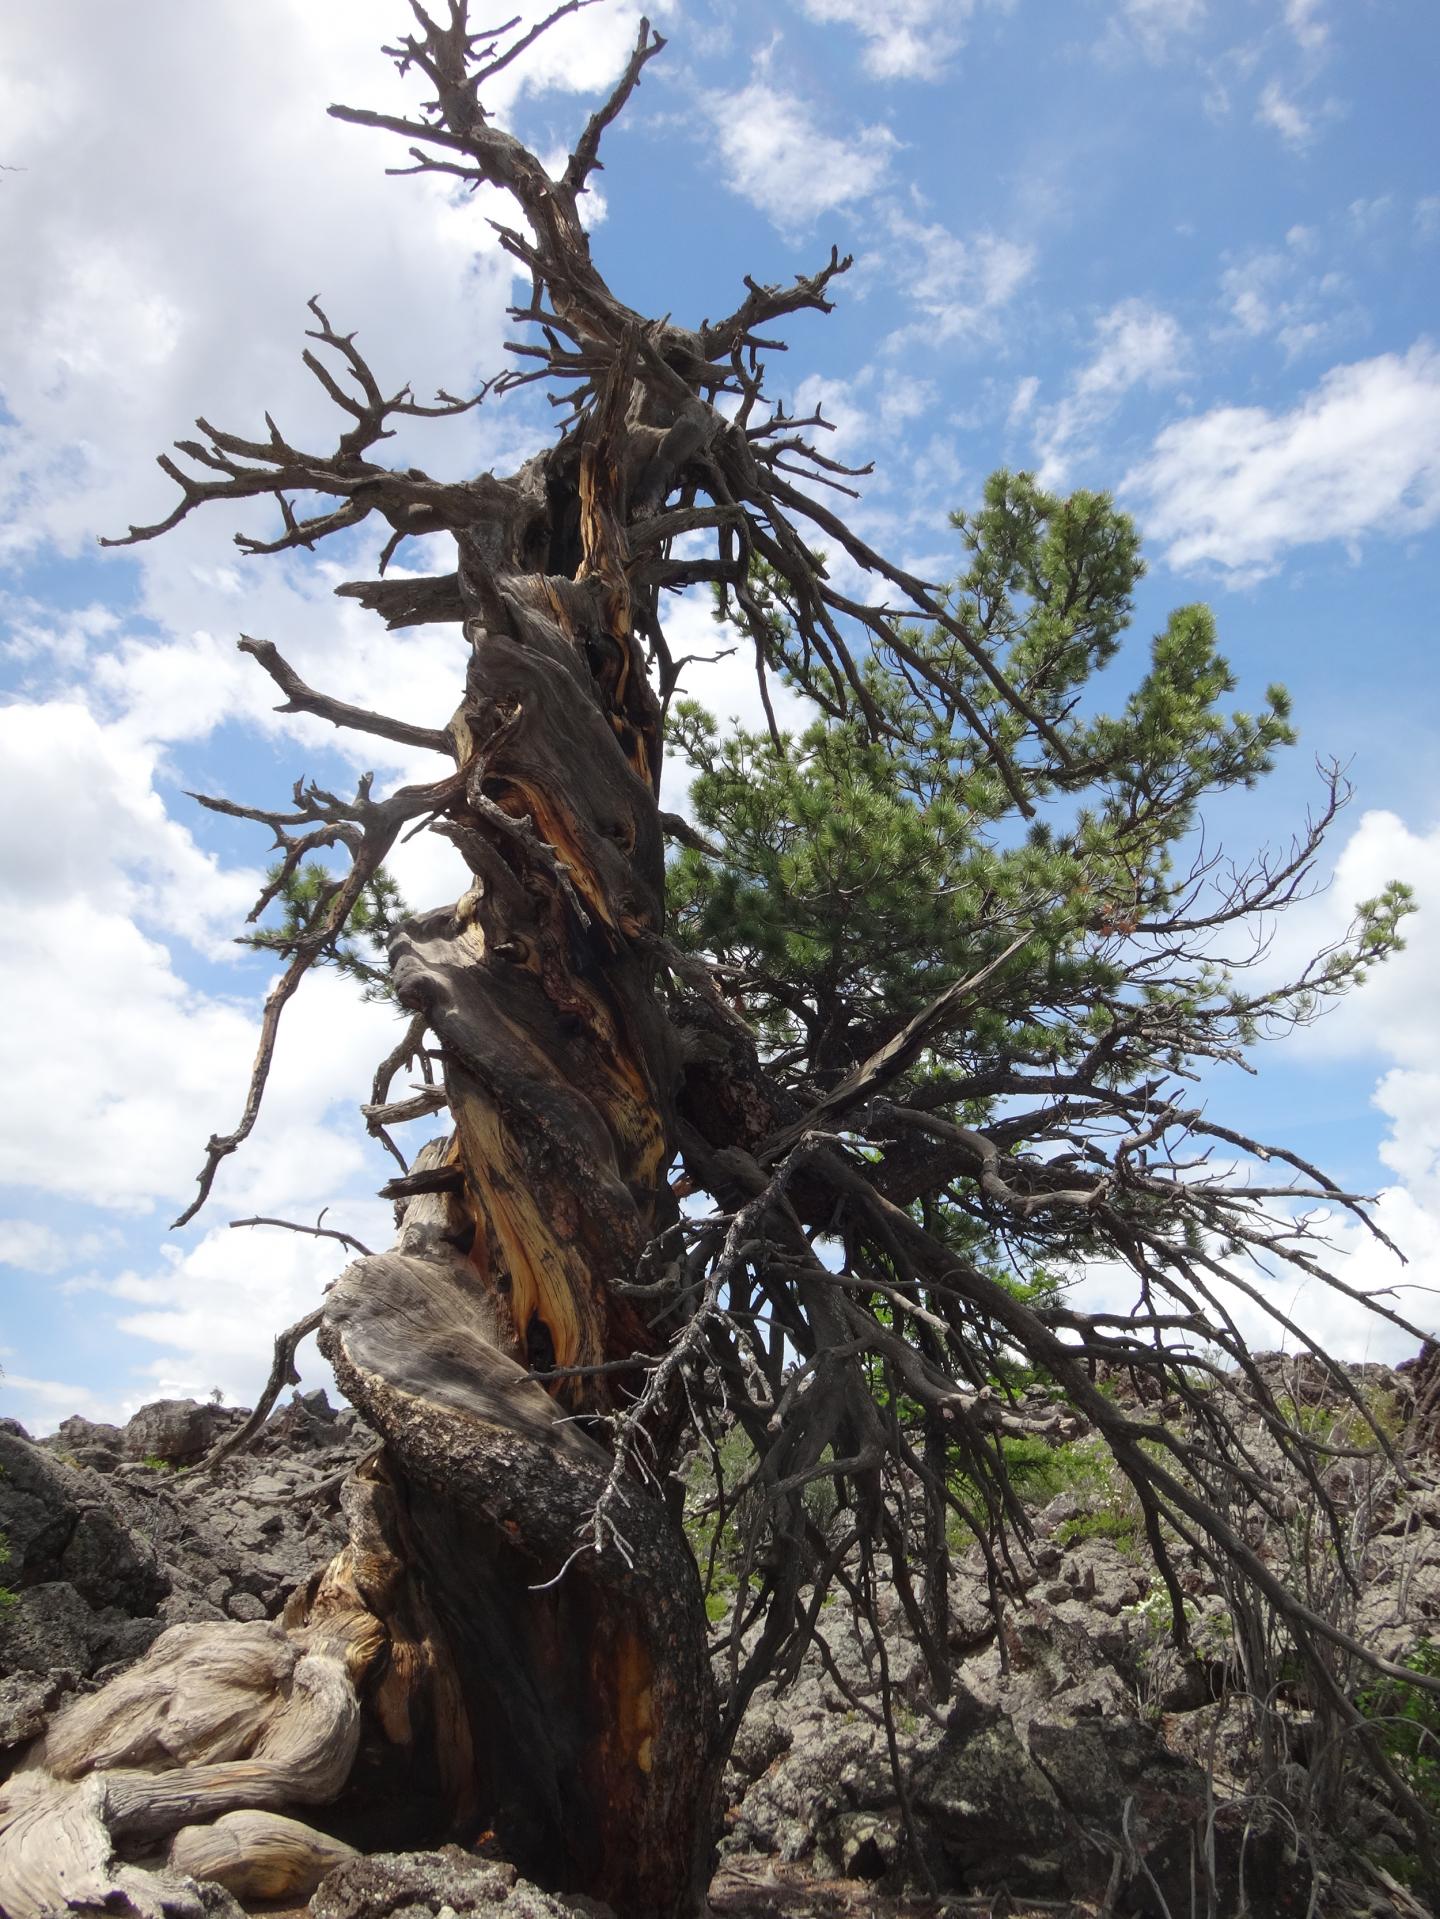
<point x="106" y="840"/>
<point x="1237" y="487"/>
<point x="1136" y="344"/>
<point x="211" y="1312"/>
<point x="1393" y="1021"/>
<point x="719" y="672"/>
<point x="777" y="155"/>
<point x="904" y="39"/>
<point x="1394" y="1017"/>
<point x="41" y="1404"/>
<point x="149" y="279"/>
<point x="33" y="1247"/>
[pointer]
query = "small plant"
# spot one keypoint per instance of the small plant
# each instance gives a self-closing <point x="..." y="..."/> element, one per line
<point x="1106" y="1522"/>
<point x="157" y="1464"/>
<point x="1344" y="1425"/>
<point x="1158" y="1659"/>
<point x="1407" y="1718"/>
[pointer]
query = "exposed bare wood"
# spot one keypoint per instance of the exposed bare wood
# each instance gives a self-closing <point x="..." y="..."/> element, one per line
<point x="513" y="1638"/>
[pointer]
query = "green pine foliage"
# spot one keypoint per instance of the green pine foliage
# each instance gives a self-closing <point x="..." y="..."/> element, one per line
<point x="884" y="854"/>
<point x="303" y="894"/>
<point x="859" y="868"/>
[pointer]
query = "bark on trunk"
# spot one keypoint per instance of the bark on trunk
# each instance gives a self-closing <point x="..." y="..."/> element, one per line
<point x="488" y="1679"/>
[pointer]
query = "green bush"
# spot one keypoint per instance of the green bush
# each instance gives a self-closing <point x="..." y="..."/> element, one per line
<point x="1407" y="1719"/>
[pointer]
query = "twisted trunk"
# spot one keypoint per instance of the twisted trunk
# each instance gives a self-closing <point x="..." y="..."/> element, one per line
<point x="498" y="1679"/>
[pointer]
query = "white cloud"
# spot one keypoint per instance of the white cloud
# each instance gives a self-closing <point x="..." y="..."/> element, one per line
<point x="1365" y="215"/>
<point x="1393" y="1021"/>
<point x="1136" y="344"/>
<point x="1285" y="116"/>
<point x="81" y="821"/>
<point x="1024" y="399"/>
<point x="120" y="1069"/>
<point x="904" y="39"/>
<point x="1271" y="294"/>
<point x="41" y="1404"/>
<point x="32" y="1247"/>
<point x="1396" y="1015"/>
<point x="960" y="286"/>
<point x="1156" y="25"/>
<point x="1306" y="21"/>
<point x="720" y="673"/>
<point x="779" y="157"/>
<point x="148" y="279"/>
<point x="213" y="1311"/>
<point x="1238" y="486"/>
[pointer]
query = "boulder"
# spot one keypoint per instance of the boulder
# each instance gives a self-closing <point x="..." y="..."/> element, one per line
<point x="26" y="1701"/>
<point x="177" y="1431"/>
<point x="87" y="1442"/>
<point x="49" y="1628"/>
<point x="65" y="1524"/>
<point x="990" y="1815"/>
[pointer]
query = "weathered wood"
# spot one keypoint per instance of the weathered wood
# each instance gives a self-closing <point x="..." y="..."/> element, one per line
<point x="212" y="1720"/>
<point x="258" y="1855"/>
<point x="588" y="1696"/>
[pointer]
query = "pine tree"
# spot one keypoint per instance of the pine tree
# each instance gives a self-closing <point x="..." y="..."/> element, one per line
<point x="804" y="1132"/>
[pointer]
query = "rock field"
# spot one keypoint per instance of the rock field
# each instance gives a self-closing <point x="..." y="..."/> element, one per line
<point x="1077" y="1766"/>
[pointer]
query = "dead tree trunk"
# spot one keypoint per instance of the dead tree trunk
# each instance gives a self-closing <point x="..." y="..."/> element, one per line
<point x="512" y="1647"/>
<point x="579" y="1691"/>
<point x="494" y="1675"/>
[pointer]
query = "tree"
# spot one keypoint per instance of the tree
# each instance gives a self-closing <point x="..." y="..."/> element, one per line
<point x="934" y="978"/>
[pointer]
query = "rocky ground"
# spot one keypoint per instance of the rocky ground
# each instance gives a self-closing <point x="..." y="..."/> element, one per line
<point x="1080" y="1765"/>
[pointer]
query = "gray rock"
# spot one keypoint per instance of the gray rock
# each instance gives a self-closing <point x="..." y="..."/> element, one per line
<point x="271" y="1486"/>
<point x="86" y="1442"/>
<point x="27" y="1701"/>
<point x="121" y="1641"/>
<point x="767" y="1730"/>
<point x="64" y="1524"/>
<point x="179" y="1431"/>
<point x="49" y="1626"/>
<point x="1097" y="1753"/>
<point x="990" y="1813"/>
<point x="243" y="1605"/>
<point x="424" y="1885"/>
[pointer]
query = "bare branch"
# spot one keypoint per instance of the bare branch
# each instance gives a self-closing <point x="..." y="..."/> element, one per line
<point x="282" y="1371"/>
<point x="300" y="698"/>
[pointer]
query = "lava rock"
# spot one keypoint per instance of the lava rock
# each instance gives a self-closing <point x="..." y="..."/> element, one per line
<point x="422" y="1885"/>
<point x="179" y="1431"/>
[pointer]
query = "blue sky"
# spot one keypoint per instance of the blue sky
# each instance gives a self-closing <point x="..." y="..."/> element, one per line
<point x="1187" y="250"/>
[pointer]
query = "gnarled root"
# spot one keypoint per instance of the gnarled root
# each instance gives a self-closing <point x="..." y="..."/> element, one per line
<point x="212" y="1720"/>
